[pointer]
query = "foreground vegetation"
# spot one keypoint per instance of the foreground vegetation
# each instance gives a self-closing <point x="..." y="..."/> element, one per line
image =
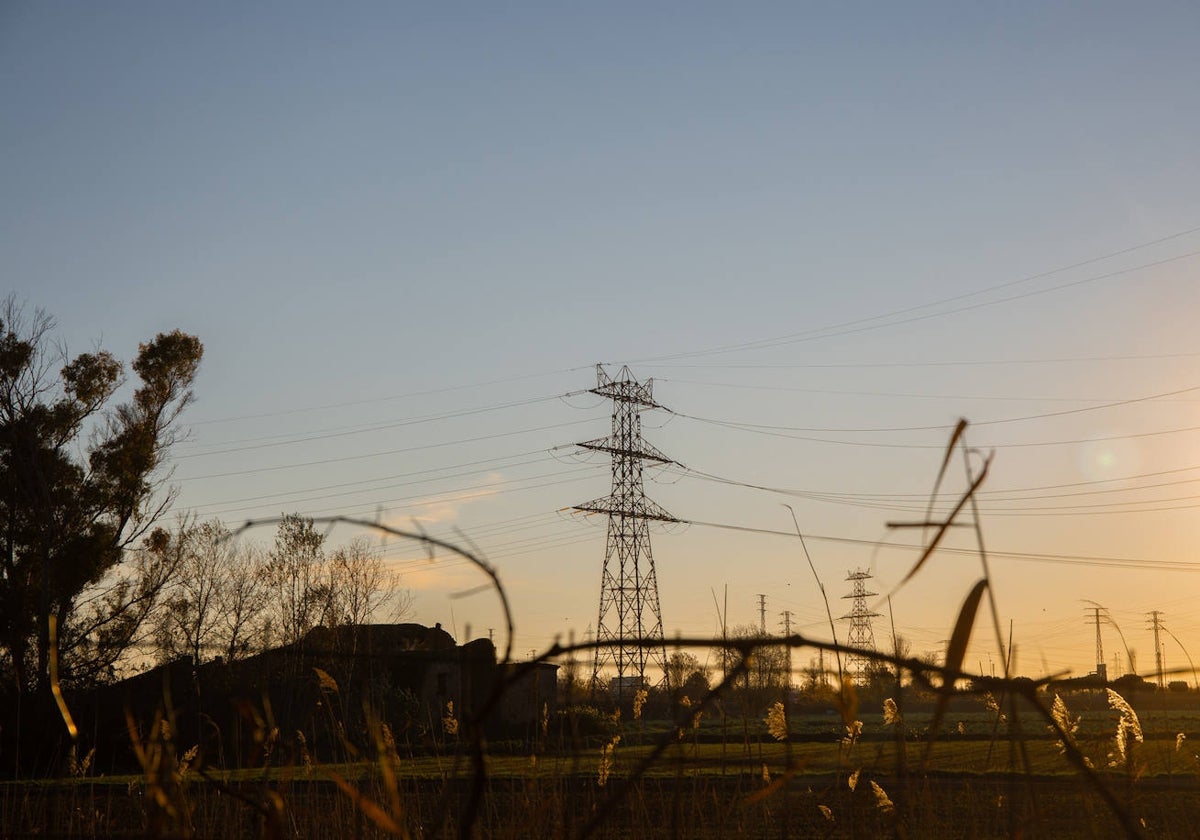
<point x="878" y="776"/>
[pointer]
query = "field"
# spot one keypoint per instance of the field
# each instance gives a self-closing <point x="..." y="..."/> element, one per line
<point x="721" y="778"/>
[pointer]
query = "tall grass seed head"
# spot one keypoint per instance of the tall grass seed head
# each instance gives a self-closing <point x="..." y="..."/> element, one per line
<point x="185" y="762"/>
<point x="776" y="720"/>
<point x="1129" y="728"/>
<point x="882" y="800"/>
<point x="606" y="761"/>
<point x="989" y="703"/>
<point x="1065" y="721"/>
<point x="325" y="681"/>
<point x="639" y="701"/>
<point x="78" y="768"/>
<point x="450" y="722"/>
<point x="389" y="740"/>
<point x="305" y="757"/>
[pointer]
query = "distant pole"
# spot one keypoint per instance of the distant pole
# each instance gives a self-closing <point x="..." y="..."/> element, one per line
<point x="1167" y="630"/>
<point x="762" y="614"/>
<point x="1101" y="665"/>
<point x="1156" y="622"/>
<point x="787" y="631"/>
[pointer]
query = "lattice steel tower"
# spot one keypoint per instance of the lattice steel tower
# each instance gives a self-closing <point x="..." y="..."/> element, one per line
<point x="861" y="636"/>
<point x="629" y="609"/>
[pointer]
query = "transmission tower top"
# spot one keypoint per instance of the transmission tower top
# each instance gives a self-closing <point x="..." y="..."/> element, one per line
<point x="856" y="576"/>
<point x="627" y="448"/>
<point x="624" y="388"/>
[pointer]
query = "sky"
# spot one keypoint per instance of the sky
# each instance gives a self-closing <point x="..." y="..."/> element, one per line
<point x="407" y="233"/>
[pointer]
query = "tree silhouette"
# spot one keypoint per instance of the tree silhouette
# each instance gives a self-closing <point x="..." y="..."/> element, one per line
<point x="81" y="487"/>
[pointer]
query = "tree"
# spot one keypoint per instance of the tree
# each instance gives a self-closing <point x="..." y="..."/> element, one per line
<point x="81" y="487"/>
<point x="687" y="676"/>
<point x="246" y="626"/>
<point x="360" y="585"/>
<point x="214" y="604"/>
<point x="308" y="587"/>
<point x="298" y="597"/>
<point x="766" y="667"/>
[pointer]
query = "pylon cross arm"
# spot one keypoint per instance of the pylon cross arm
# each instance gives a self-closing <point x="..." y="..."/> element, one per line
<point x="645" y="510"/>
<point x="642" y="450"/>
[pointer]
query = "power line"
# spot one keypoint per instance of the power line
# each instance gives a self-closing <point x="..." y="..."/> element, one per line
<point x="869" y="503"/>
<point x="920" y="502"/>
<point x="1070" y="559"/>
<point x="376" y="400"/>
<point x="423" y="500"/>
<point x="365" y="429"/>
<point x="487" y="531"/>
<point x="985" y="494"/>
<point x="943" y="426"/>
<point x="275" y="502"/>
<point x="382" y="453"/>
<point x="866" y="324"/>
<point x="937" y="363"/>
<point x="899" y="395"/>
<point x="485" y="463"/>
<point x="940" y="446"/>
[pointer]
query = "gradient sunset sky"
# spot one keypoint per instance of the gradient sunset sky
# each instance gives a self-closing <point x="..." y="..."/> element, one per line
<point x="406" y="233"/>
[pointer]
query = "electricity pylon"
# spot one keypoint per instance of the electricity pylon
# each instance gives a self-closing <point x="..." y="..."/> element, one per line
<point x="861" y="635"/>
<point x="1101" y="665"/>
<point x="629" y="631"/>
<point x="1156" y="622"/>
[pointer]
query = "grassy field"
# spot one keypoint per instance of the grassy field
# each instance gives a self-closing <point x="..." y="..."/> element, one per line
<point x="816" y="783"/>
<point x="708" y="799"/>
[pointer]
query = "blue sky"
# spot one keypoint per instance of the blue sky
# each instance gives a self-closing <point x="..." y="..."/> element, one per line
<point x="359" y="208"/>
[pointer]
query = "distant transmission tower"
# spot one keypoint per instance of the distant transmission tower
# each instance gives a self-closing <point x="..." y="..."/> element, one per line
<point x="1101" y="665"/>
<point x="629" y="631"/>
<point x="861" y="634"/>
<point x="1156" y="623"/>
